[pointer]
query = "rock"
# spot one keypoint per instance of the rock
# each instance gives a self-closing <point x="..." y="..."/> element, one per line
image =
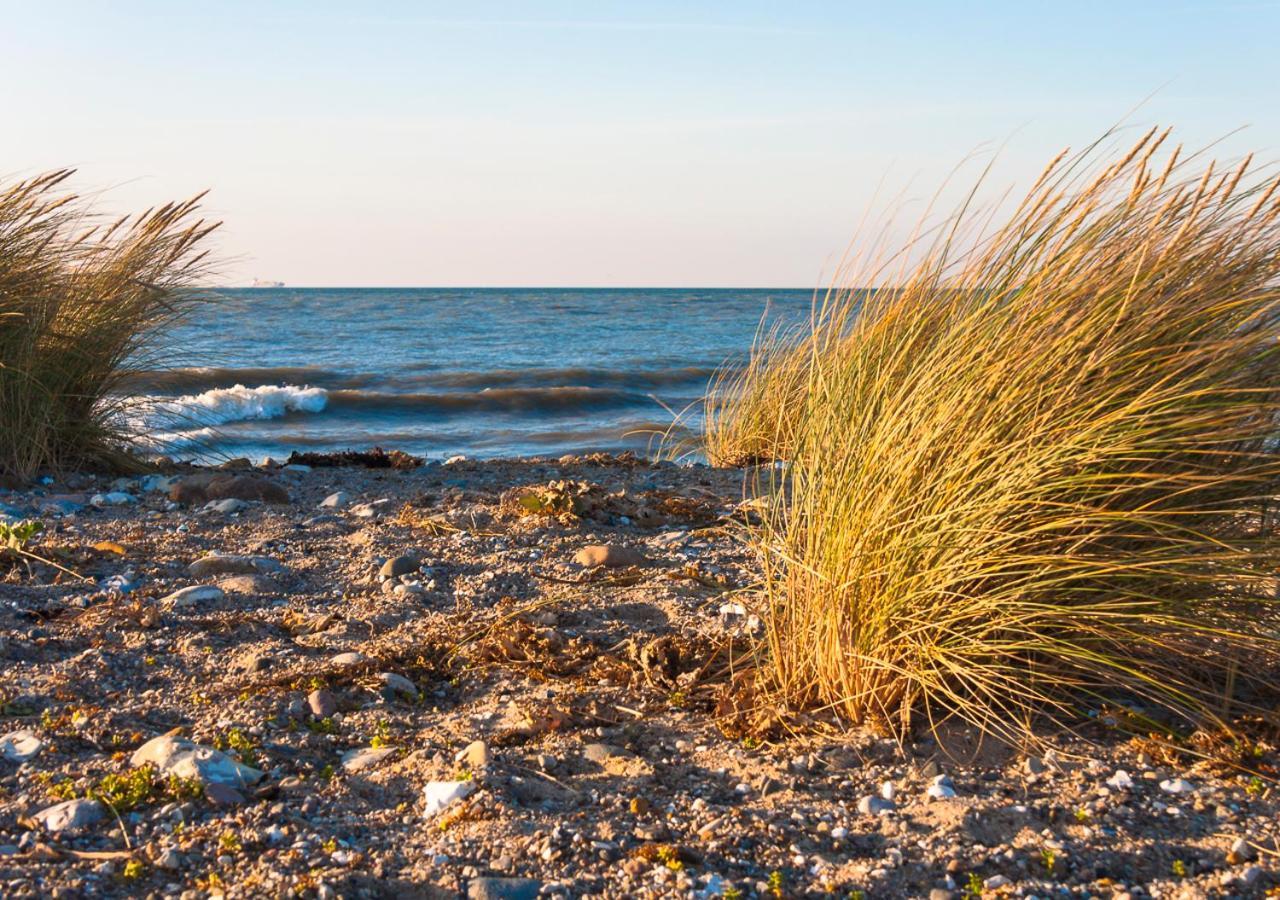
<point x="996" y="881"/>
<point x="223" y="794"/>
<point x="475" y="755"/>
<point x="1120" y="781"/>
<point x="233" y="564"/>
<point x="399" y="684"/>
<point x="503" y="889"/>
<point x="173" y="755"/>
<point x="1034" y="765"/>
<point x="1177" y="786"/>
<point x="608" y="555"/>
<point x="335" y="501"/>
<point x="20" y="746"/>
<point x="1241" y="852"/>
<point x="941" y="894"/>
<point x="70" y="815"/>
<point x="439" y="795"/>
<point x="112" y="498"/>
<point x="248" y="584"/>
<point x="322" y="703"/>
<point x="888" y="791"/>
<point x="191" y="596"/>
<point x="362" y="758"/>
<point x="941" y="788"/>
<point x="397" y="566"/>
<point x="346" y="660"/>
<point x="206" y="486"/>
<point x="872" y="805"/>
<point x="228" y="506"/>
<point x="598" y="753"/>
<point x="1251" y="876"/>
<point x="170" y="859"/>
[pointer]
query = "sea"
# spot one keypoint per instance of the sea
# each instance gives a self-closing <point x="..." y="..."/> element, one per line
<point x="445" y="372"/>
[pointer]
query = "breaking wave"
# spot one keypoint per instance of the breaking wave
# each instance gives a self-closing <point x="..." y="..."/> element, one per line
<point x="234" y="404"/>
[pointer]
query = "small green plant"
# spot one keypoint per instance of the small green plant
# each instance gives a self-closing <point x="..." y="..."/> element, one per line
<point x="1049" y="858"/>
<point x="330" y="845"/>
<point x="1255" y="787"/>
<point x="732" y="893"/>
<point x="1179" y="869"/>
<point x="1081" y="815"/>
<point x="381" y="735"/>
<point x="241" y="743"/>
<point x="973" y="887"/>
<point x="321" y="726"/>
<point x="327" y="772"/>
<point x="775" y="884"/>
<point x="133" y="870"/>
<point x="229" y="842"/>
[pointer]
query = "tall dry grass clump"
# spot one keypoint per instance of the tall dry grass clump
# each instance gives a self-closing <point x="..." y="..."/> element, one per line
<point x="82" y="303"/>
<point x="1039" y="465"/>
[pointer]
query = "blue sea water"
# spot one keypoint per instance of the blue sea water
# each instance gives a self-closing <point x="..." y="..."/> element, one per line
<point x="438" y="372"/>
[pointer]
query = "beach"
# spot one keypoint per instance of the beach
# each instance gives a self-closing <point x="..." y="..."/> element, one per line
<point x="510" y="678"/>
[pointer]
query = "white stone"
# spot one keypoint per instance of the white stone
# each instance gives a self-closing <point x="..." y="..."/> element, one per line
<point x="113" y="498"/>
<point x="227" y="506"/>
<point x="20" y="746"/>
<point x="440" y="795"/>
<point x="336" y="500"/>
<point x="941" y="788"/>
<point x="1177" y="786"/>
<point x="362" y="758"/>
<point x="70" y="815"/>
<point x="1120" y="781"/>
<point x="190" y="596"/>
<point x="173" y="755"/>
<point x="888" y="791"/>
<point x="345" y="660"/>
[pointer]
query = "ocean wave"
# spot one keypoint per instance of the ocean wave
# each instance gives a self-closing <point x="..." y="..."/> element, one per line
<point x="232" y="404"/>
<point x="516" y="399"/>
<point x="199" y="379"/>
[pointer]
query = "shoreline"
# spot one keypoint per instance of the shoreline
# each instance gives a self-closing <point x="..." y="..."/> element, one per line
<point x="578" y="703"/>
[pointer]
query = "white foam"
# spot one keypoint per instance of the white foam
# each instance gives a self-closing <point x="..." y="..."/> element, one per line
<point x="234" y="404"/>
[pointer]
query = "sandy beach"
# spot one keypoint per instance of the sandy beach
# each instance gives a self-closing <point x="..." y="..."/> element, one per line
<point x="497" y="719"/>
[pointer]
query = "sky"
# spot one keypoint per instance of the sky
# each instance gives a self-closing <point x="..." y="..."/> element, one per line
<point x="598" y="143"/>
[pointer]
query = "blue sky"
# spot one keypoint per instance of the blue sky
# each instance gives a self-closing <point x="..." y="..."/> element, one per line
<point x="557" y="143"/>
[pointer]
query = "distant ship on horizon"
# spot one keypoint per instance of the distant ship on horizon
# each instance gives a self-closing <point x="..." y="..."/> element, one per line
<point x="260" y="282"/>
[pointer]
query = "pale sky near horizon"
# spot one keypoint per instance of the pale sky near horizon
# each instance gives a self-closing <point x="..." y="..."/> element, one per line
<point x="596" y="143"/>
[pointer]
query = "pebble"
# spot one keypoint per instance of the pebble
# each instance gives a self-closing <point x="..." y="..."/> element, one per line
<point x="227" y="507"/>
<point x="192" y="596"/>
<point x="503" y="889"/>
<point x="941" y="788"/>
<point x="20" y="746"/>
<point x="872" y="805"/>
<point x="169" y="859"/>
<point x="322" y="703"/>
<point x="1177" y="786"/>
<point x="440" y="795"/>
<point x="172" y="755"/>
<point x="233" y="564"/>
<point x="336" y="500"/>
<point x="1120" y="781"/>
<point x="1241" y="851"/>
<point x="345" y="660"/>
<point x="362" y="758"/>
<point x="608" y="555"/>
<point x="397" y="566"/>
<point x="399" y="684"/>
<point x="476" y="755"/>
<point x="112" y="498"/>
<point x="70" y="815"/>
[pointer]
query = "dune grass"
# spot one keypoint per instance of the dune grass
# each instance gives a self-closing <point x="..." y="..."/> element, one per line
<point x="83" y="303"/>
<point x="1037" y="469"/>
